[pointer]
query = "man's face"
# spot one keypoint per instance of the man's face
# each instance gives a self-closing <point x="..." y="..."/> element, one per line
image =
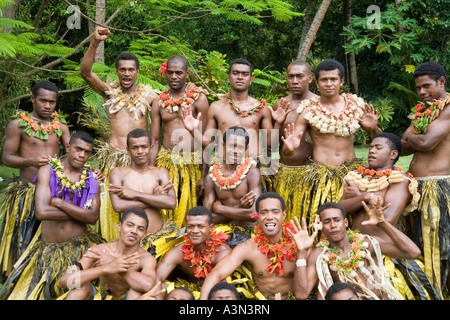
<point x="44" y="103"/>
<point x="380" y="154"/>
<point x="235" y="149"/>
<point x="78" y="153"/>
<point x="329" y="82"/>
<point x="127" y="73"/>
<point x="139" y="150"/>
<point x="198" y="229"/>
<point x="429" y="89"/>
<point x="334" y="224"/>
<point x="298" y="79"/>
<point x="240" y="77"/>
<point x="176" y="75"/>
<point x="271" y="216"/>
<point x="345" y="294"/>
<point x="133" y="229"/>
<point x="223" y="294"/>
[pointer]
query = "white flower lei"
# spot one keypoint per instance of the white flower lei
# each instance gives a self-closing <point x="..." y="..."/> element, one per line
<point x="326" y="121"/>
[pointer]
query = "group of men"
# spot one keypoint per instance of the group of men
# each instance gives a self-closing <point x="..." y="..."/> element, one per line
<point x="198" y="198"/>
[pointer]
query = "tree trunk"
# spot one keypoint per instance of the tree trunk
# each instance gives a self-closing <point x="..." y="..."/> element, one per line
<point x="100" y="18"/>
<point x="352" y="75"/>
<point x="311" y="35"/>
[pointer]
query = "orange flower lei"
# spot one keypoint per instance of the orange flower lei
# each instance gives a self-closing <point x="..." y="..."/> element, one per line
<point x="422" y="116"/>
<point x="36" y="128"/>
<point x="276" y="252"/>
<point x="245" y="113"/>
<point x="201" y="260"/>
<point x="172" y="105"/>
<point x="235" y="179"/>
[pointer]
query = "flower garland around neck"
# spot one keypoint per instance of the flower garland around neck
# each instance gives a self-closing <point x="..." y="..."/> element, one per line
<point x="64" y="181"/>
<point x="277" y="253"/>
<point x="357" y="253"/>
<point x="235" y="179"/>
<point x="135" y="103"/>
<point x="201" y="260"/>
<point x="171" y="104"/>
<point x="326" y="121"/>
<point x="422" y="115"/>
<point x="245" y="113"/>
<point x="370" y="180"/>
<point x="38" y="130"/>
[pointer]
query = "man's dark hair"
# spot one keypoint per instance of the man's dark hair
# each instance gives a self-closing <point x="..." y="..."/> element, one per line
<point x="180" y="59"/>
<point x="329" y="64"/>
<point x="394" y="142"/>
<point x="138" y="133"/>
<point x="223" y="285"/>
<point x="338" y="287"/>
<point x="240" y="61"/>
<point x="127" y="56"/>
<point x="237" y="131"/>
<point x="137" y="211"/>
<point x="332" y="205"/>
<point x="86" y="137"/>
<point x="270" y="195"/>
<point x="191" y="295"/>
<point x="200" y="211"/>
<point x="299" y="62"/>
<point x="46" y="85"/>
<point x="432" y="69"/>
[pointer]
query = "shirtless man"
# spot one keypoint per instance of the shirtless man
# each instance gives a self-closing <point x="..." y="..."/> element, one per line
<point x="127" y="106"/>
<point x="320" y="266"/>
<point x="269" y="278"/>
<point x="120" y="266"/>
<point x="199" y="231"/>
<point x="237" y="108"/>
<point x="331" y="121"/>
<point x="27" y="152"/>
<point x="177" y="143"/>
<point x="140" y="185"/>
<point x="430" y="165"/>
<point x="298" y="79"/>
<point x="234" y="201"/>
<point x="67" y="201"/>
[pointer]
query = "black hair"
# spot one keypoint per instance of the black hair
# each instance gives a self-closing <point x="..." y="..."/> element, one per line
<point x="299" y="62"/>
<point x="86" y="137"/>
<point x="329" y="64"/>
<point x="240" y="61"/>
<point x="332" y="205"/>
<point x="237" y="131"/>
<point x="223" y="285"/>
<point x="138" y="133"/>
<point x="394" y="142"/>
<point x="178" y="58"/>
<point x="127" y="56"/>
<point x="200" y="211"/>
<point x="432" y="69"/>
<point x="137" y="211"/>
<point x="191" y="295"/>
<point x="270" y="195"/>
<point x="338" y="287"/>
<point x="46" y="85"/>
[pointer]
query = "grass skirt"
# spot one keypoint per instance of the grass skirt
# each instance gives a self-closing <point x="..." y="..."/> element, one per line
<point x="429" y="227"/>
<point x="36" y="275"/>
<point x="108" y="158"/>
<point x="185" y="171"/>
<point x="19" y="222"/>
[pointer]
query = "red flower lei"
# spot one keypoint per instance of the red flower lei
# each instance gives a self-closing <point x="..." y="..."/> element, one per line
<point x="421" y="115"/>
<point x="172" y="105"/>
<point x="201" y="260"/>
<point x="276" y="252"/>
<point x="245" y="113"/>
